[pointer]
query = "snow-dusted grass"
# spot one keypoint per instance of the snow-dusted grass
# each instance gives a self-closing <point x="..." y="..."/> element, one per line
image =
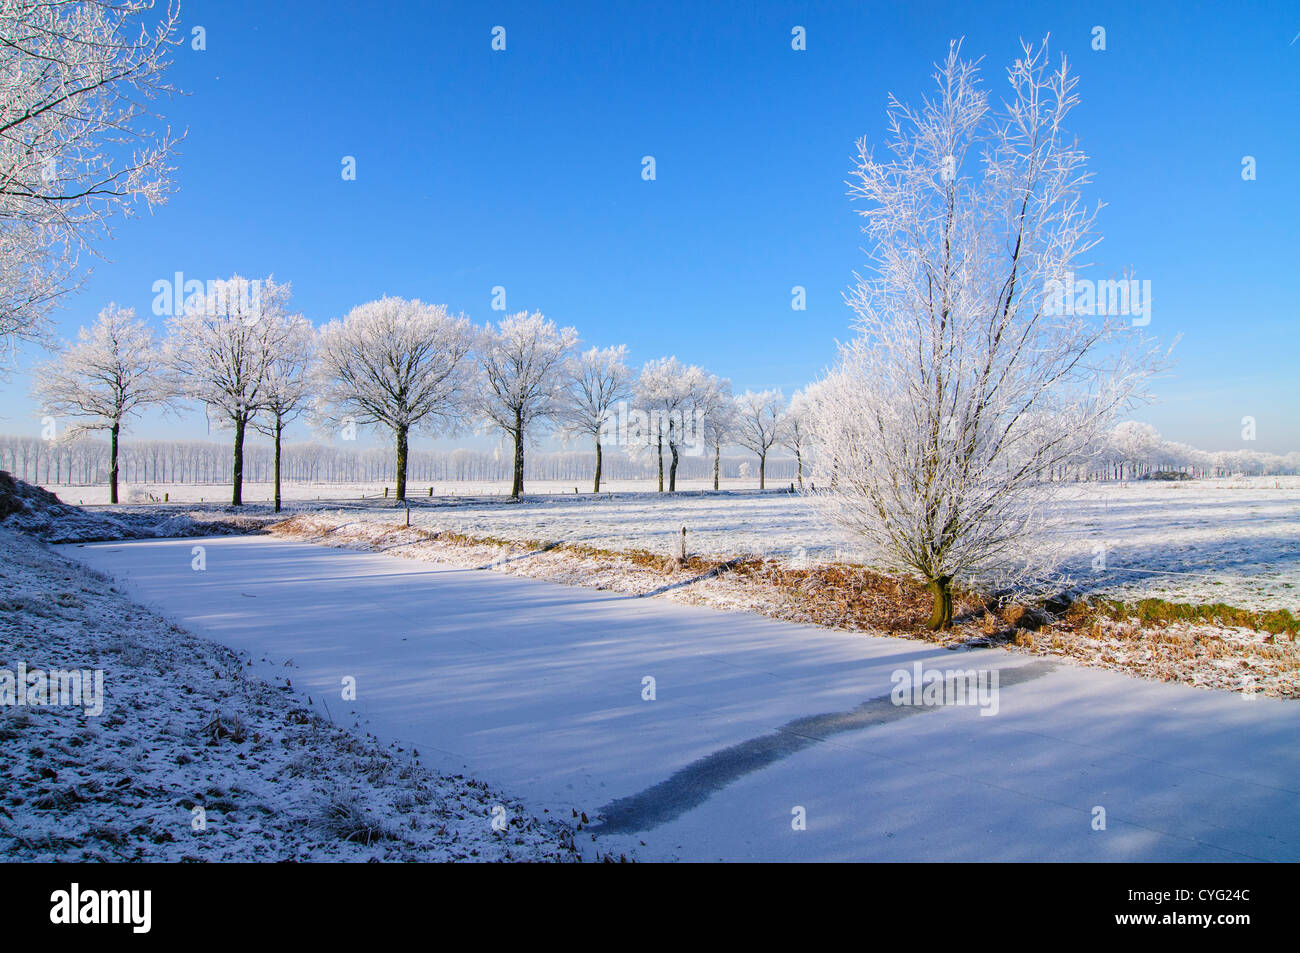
<point x="186" y="727"/>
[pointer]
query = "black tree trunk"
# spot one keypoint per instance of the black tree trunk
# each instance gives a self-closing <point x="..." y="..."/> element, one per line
<point x="112" y="465"/>
<point x="237" y="477"/>
<point x="517" y="488"/>
<point x="279" y="430"/>
<point x="661" y="462"/>
<point x="401" y="461"/>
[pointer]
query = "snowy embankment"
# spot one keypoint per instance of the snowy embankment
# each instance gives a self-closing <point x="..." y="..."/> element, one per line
<point x="192" y="758"/>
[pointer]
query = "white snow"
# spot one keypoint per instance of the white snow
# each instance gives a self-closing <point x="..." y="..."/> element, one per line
<point x="187" y="724"/>
<point x="538" y="688"/>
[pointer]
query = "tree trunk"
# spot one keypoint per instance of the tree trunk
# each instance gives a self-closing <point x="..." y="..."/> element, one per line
<point x="717" y="463"/>
<point x="762" y="471"/>
<point x="279" y="429"/>
<point x="596" y="486"/>
<point x="112" y="464"/>
<point x="941" y="616"/>
<point x="672" y="470"/>
<point x="661" y="462"/>
<point x="798" y="459"/>
<point x="401" y="461"/>
<point x="517" y="487"/>
<point x="237" y="472"/>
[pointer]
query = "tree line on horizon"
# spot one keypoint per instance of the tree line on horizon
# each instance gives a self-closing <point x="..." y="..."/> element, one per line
<point x="402" y="368"/>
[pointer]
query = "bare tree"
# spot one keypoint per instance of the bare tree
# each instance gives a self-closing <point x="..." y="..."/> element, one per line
<point x="936" y="432"/>
<point x="522" y="365"/>
<point x="113" y="370"/>
<point x="396" y="364"/>
<point x="597" y="382"/>
<point x="794" y="431"/>
<point x="286" y="386"/>
<point x="78" y="145"/>
<point x="219" y="350"/>
<point x="716" y="411"/>
<point x="758" y="425"/>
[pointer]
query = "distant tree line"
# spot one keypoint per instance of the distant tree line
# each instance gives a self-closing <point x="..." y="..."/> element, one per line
<point x="85" y="460"/>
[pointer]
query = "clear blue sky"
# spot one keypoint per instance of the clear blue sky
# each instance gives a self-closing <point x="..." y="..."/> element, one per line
<point x="478" y="168"/>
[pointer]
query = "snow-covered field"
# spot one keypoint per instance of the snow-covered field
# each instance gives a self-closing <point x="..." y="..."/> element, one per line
<point x="1235" y="541"/>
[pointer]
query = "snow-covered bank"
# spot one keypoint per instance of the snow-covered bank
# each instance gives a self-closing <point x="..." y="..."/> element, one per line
<point x="194" y="759"/>
<point x="40" y="513"/>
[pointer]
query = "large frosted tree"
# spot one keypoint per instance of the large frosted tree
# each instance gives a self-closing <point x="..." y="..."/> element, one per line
<point x="597" y="381"/>
<point x="113" y="371"/>
<point x="521" y="379"/>
<point x="220" y="349"/>
<point x="79" y="145"/>
<point x="398" y="365"/>
<point x="936" y="432"/>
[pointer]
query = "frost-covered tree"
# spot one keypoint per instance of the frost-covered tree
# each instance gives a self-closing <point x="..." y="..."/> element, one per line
<point x="669" y="391"/>
<point x="758" y="425"/>
<point x="219" y="350"/>
<point x="794" y="431"/>
<point x="936" y="433"/>
<point x="521" y="381"/>
<point x="1136" y="447"/>
<point x="287" y="384"/>
<point x="597" y="380"/>
<point x="113" y="371"/>
<point x="396" y="364"/>
<point x="79" y="147"/>
<point x="717" y="418"/>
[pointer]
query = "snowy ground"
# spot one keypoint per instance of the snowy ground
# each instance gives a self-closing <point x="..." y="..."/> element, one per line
<point x="752" y="723"/>
<point x="195" y="757"/>
<point x="1235" y="541"/>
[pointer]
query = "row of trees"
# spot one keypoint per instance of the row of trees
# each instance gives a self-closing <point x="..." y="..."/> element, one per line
<point x="404" y="368"/>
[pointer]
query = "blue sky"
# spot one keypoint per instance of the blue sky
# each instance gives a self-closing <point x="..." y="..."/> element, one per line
<point x="523" y="169"/>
